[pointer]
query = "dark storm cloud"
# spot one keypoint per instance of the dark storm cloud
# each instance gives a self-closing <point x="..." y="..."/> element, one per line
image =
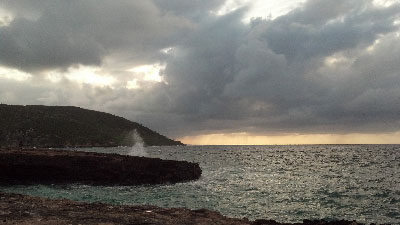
<point x="325" y="67"/>
<point x="193" y="9"/>
<point x="203" y="65"/>
<point x="271" y="76"/>
<point x="63" y="33"/>
<point x="320" y="29"/>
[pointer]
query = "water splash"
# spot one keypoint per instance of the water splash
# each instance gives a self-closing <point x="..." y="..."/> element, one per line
<point x="137" y="148"/>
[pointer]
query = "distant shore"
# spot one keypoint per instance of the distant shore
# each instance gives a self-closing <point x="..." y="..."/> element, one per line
<point x="68" y="126"/>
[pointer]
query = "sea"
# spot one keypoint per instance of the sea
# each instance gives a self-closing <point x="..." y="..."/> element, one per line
<point x="283" y="183"/>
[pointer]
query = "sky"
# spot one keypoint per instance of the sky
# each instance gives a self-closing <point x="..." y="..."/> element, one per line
<point x="213" y="71"/>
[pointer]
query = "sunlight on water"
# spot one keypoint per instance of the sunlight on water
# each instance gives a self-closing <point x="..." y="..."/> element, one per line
<point x="284" y="183"/>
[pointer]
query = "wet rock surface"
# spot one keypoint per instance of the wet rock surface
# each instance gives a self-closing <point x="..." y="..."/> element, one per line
<point x="43" y="166"/>
<point x="22" y="209"/>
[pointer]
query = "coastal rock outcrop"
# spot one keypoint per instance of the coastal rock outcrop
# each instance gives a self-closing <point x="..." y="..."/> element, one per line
<point x="24" y="210"/>
<point x="43" y="166"/>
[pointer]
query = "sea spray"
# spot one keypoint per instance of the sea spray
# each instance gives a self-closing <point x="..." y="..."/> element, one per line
<point x="137" y="148"/>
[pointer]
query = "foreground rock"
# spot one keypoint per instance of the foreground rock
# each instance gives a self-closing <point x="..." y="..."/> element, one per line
<point x="21" y="209"/>
<point x="39" y="166"/>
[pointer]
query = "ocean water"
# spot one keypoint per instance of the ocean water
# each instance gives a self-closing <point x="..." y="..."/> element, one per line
<point x="284" y="183"/>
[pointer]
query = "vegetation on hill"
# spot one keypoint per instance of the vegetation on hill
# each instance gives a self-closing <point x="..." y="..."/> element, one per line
<point x="68" y="126"/>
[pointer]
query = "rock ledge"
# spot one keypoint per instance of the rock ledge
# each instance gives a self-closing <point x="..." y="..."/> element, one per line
<point x="43" y="166"/>
<point x="24" y="210"/>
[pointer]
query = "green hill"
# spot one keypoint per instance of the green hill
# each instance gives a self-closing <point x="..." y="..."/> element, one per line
<point x="68" y="126"/>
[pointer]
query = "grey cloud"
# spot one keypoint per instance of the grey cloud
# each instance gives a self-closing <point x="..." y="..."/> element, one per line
<point x="317" y="12"/>
<point x="300" y="36"/>
<point x="267" y="77"/>
<point x="193" y="9"/>
<point x="27" y="46"/>
<point x="204" y="65"/>
<point x="267" y="90"/>
<point x="85" y="32"/>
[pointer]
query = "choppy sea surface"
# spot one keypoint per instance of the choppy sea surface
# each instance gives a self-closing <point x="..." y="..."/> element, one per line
<point x="284" y="183"/>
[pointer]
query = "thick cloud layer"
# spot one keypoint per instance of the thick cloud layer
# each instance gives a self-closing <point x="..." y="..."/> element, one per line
<point x="63" y="33"/>
<point x="325" y="67"/>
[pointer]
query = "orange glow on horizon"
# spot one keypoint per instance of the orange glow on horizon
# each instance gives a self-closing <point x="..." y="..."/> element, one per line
<point x="249" y="139"/>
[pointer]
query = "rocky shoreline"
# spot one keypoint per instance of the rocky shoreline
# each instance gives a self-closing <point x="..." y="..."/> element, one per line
<point x="44" y="166"/>
<point x="24" y="210"/>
